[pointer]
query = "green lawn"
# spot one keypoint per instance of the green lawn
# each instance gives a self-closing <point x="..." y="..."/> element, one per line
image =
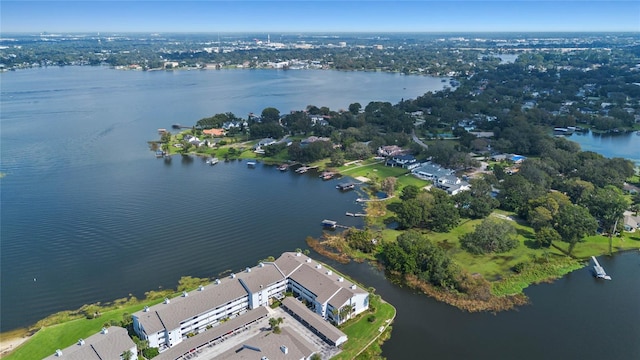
<point x="495" y="266"/>
<point x="361" y="332"/>
<point x="48" y="339"/>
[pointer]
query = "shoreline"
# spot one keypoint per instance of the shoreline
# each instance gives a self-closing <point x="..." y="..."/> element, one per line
<point x="12" y="340"/>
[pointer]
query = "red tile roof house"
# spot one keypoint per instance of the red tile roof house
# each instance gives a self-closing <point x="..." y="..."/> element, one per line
<point x="214" y="132"/>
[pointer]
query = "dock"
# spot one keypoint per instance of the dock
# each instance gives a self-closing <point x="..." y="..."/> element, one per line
<point x="355" y="214"/>
<point x="600" y="273"/>
<point x="331" y="224"/>
<point x="345" y="186"/>
<point x="304" y="169"/>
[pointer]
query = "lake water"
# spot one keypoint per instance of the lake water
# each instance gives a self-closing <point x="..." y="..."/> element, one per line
<point x="625" y="145"/>
<point x="88" y="214"/>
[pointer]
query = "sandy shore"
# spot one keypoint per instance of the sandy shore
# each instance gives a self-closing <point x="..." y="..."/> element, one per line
<point x="8" y="343"/>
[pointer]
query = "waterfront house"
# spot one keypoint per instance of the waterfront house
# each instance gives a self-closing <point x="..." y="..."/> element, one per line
<point x="109" y="344"/>
<point x="214" y="132"/>
<point x="404" y="161"/>
<point x="265" y="142"/>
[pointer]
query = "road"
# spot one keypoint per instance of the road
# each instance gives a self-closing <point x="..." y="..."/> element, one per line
<point x="417" y="140"/>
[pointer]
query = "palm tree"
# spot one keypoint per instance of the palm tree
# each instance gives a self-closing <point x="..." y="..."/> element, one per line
<point x="127" y="355"/>
<point x="345" y="312"/>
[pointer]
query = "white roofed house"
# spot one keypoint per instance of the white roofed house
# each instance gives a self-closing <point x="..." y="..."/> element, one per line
<point x="109" y="344"/>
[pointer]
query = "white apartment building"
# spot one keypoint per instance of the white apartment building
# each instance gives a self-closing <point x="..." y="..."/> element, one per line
<point x="329" y="295"/>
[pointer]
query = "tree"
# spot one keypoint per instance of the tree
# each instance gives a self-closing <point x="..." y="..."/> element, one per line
<point x="270" y="114"/>
<point x="409" y="192"/>
<point x="355" y="108"/>
<point x="608" y="206"/>
<point x="546" y="236"/>
<point x="337" y="158"/>
<point x="412" y="253"/>
<point x="490" y="236"/>
<point x="127" y="355"/>
<point x="274" y="323"/>
<point x="358" y="150"/>
<point x="573" y="223"/>
<point x="389" y="185"/>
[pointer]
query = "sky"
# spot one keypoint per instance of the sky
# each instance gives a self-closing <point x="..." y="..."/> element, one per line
<point x="318" y="16"/>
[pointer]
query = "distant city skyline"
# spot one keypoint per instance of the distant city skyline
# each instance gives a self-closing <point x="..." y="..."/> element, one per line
<point x="319" y="16"/>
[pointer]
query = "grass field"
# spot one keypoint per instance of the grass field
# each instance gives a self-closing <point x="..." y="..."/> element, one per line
<point x="48" y="339"/>
<point x="362" y="332"/>
<point x="496" y="266"/>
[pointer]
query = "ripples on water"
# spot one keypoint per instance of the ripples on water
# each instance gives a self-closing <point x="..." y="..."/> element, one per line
<point x="90" y="213"/>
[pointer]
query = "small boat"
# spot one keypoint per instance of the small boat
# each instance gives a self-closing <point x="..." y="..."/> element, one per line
<point x="213" y="161"/>
<point x="350" y="214"/>
<point x="638" y="132"/>
<point x="283" y="167"/>
<point x="251" y="164"/>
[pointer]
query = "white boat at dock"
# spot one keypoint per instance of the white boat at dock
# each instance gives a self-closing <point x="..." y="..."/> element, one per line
<point x="213" y="161"/>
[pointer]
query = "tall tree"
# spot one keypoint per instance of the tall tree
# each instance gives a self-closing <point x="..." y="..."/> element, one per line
<point x="573" y="223"/>
<point x="270" y="114"/>
<point x="608" y="205"/>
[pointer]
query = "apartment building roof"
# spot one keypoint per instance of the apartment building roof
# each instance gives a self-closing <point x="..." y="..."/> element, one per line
<point x="314" y="320"/>
<point x="260" y="276"/>
<point x="169" y="315"/>
<point x="103" y="345"/>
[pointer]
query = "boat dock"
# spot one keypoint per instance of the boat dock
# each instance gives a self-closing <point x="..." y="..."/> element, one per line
<point x="331" y="224"/>
<point x="355" y="214"/>
<point x="345" y="186"/>
<point x="304" y="169"/>
<point x="600" y="273"/>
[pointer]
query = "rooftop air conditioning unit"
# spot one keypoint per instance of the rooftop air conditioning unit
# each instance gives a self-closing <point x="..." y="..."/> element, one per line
<point x="200" y="288"/>
<point x="166" y="300"/>
<point x="329" y="272"/>
<point x="185" y="294"/>
<point x="58" y="353"/>
<point x="81" y="342"/>
<point x="217" y="281"/>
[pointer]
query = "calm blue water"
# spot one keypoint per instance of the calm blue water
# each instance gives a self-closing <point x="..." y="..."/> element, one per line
<point x="625" y="145"/>
<point x="92" y="215"/>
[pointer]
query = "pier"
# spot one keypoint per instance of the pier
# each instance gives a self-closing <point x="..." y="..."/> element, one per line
<point x="331" y="224"/>
<point x="600" y="273"/>
<point x="304" y="169"/>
